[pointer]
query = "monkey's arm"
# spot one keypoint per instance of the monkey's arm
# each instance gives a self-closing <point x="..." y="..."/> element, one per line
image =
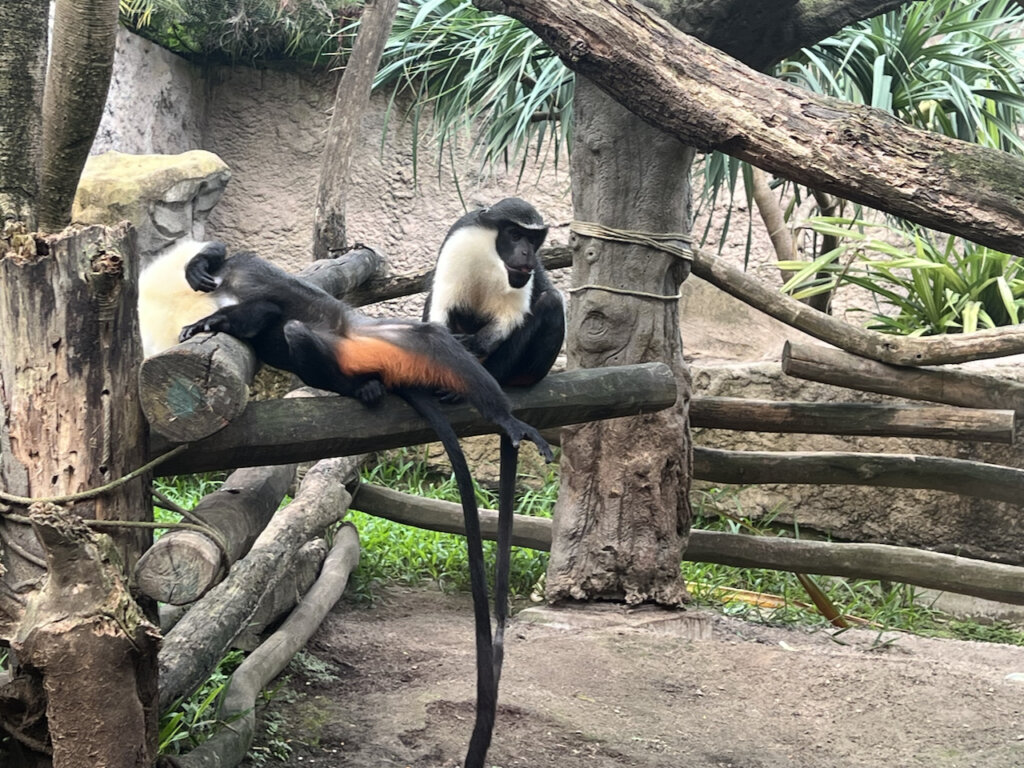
<point x="201" y="268"/>
<point x="527" y="354"/>
<point x="243" y="321"/>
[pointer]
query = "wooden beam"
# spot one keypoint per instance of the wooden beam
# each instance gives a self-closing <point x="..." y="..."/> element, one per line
<point x="920" y="421"/>
<point x="966" y="478"/>
<point x="291" y="430"/>
<point x="933" y="570"/>
<point x="833" y="366"/>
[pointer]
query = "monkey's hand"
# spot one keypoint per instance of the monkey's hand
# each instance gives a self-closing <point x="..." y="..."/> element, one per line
<point x="370" y="393"/>
<point x="471" y="343"/>
<point x="519" y="430"/>
<point x="209" y="324"/>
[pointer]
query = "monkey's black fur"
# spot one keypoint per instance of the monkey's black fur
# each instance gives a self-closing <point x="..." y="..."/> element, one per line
<point x="295" y="326"/>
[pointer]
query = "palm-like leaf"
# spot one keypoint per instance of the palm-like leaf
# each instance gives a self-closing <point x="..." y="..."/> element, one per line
<point x="480" y="75"/>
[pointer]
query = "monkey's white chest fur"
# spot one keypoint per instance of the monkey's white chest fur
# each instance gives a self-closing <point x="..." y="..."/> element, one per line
<point x="471" y="274"/>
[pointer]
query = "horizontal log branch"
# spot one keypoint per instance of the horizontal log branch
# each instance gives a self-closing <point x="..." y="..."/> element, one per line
<point x="192" y="649"/>
<point x="960" y="476"/>
<point x="885" y="347"/>
<point x="291" y="430"/>
<point x="833" y="366"/>
<point x="181" y="566"/>
<point x="932" y="570"/>
<point x="939" y="422"/>
<point x="709" y="100"/>
<point x="197" y="388"/>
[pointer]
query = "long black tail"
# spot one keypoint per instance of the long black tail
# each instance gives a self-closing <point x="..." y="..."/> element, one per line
<point x="486" y="679"/>
<point x="509" y="468"/>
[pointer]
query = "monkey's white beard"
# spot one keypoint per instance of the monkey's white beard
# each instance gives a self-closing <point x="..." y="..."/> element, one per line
<point x="471" y="275"/>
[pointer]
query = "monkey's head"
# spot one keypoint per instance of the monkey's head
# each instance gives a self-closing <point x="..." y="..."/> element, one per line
<point x="520" y="234"/>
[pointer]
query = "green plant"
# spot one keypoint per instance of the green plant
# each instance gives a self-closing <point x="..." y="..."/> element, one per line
<point x="193" y="720"/>
<point x="466" y="69"/>
<point x="252" y="31"/>
<point x="920" y="287"/>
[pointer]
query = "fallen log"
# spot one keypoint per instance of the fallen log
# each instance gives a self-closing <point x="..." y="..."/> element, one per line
<point x="230" y="745"/>
<point x="199" y="387"/>
<point x="932" y="570"/>
<point x="292" y="430"/>
<point x="182" y="565"/>
<point x="932" y="422"/>
<point x="192" y="649"/>
<point x="937" y="473"/>
<point x="833" y="366"/>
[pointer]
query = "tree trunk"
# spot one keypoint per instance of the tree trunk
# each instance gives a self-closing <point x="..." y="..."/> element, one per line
<point x="623" y="511"/>
<point x="81" y="61"/>
<point x="23" y="36"/>
<point x="84" y="656"/>
<point x="350" y="103"/>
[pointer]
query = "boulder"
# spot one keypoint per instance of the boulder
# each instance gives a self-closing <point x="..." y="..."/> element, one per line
<point x="166" y="197"/>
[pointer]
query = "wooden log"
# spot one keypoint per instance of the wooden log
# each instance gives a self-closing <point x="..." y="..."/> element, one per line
<point x="228" y="747"/>
<point x="932" y="570"/>
<point x="297" y="430"/>
<point x="833" y="366"/>
<point x="960" y="476"/>
<point x="301" y="575"/>
<point x="196" y="644"/>
<point x="931" y="422"/>
<point x="197" y="388"/>
<point x="182" y="565"/>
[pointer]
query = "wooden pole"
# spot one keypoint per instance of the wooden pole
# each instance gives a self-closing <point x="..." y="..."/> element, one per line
<point x="932" y="570"/>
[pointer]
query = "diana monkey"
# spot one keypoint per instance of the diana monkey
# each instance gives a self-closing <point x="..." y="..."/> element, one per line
<point x="490" y="289"/>
<point x="298" y="327"/>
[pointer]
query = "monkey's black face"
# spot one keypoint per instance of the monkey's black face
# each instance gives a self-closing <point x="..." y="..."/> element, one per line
<point x="518" y="248"/>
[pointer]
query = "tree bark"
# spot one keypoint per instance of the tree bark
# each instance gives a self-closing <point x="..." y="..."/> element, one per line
<point x="23" y="47"/>
<point x="350" y="102"/>
<point x="81" y="62"/>
<point x="623" y="508"/>
<point x="707" y="99"/>
<point x="72" y="422"/>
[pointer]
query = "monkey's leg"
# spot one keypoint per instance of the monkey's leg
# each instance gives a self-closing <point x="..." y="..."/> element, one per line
<point x="526" y="356"/>
<point x="486" y="684"/>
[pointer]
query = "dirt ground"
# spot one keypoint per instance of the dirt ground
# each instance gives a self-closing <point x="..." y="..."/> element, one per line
<point x="392" y="685"/>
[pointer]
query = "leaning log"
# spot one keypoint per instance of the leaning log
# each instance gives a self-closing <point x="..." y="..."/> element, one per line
<point x="833" y="366"/>
<point x="932" y="570"/>
<point x="279" y="431"/>
<point x="182" y="565"/>
<point x="230" y="745"/>
<point x="937" y="422"/>
<point x="199" y="387"/>
<point x="937" y="473"/>
<point x="197" y="643"/>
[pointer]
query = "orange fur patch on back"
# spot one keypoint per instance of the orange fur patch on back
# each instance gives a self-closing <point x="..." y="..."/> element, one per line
<point x="397" y="367"/>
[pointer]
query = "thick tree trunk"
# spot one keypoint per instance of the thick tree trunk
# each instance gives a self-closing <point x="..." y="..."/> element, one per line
<point x="84" y="655"/>
<point x="623" y="510"/>
<point x="23" y="36"/>
<point x="81" y="61"/>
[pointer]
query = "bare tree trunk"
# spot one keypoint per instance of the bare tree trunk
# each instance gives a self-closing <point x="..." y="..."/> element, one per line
<point x="84" y="655"/>
<point x="82" y="59"/>
<point x="623" y="511"/>
<point x="351" y="100"/>
<point x="23" y="36"/>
